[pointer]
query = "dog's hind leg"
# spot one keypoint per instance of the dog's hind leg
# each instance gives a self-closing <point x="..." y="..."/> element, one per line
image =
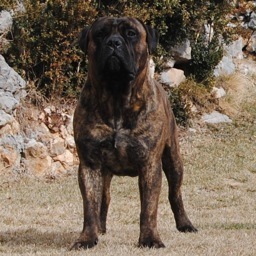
<point x="173" y="169"/>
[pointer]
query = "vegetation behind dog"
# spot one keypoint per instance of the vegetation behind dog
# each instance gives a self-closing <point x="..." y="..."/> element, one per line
<point x="44" y="50"/>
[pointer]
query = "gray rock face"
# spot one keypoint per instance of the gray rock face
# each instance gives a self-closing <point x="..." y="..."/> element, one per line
<point x="10" y="81"/>
<point x="5" y="21"/>
<point x="225" y="67"/>
<point x="12" y="89"/>
<point x="215" y="118"/>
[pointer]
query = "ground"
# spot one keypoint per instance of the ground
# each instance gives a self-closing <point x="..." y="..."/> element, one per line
<point x="44" y="216"/>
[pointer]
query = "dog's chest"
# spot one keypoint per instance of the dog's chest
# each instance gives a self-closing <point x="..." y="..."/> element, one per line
<point x="121" y="152"/>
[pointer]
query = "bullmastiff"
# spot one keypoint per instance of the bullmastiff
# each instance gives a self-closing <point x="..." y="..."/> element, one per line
<point x="124" y="126"/>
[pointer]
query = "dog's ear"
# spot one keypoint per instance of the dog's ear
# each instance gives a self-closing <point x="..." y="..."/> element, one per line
<point x="152" y="38"/>
<point x="83" y="39"/>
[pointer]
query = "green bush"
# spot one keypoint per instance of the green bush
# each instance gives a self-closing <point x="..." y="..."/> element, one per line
<point x="187" y="95"/>
<point x="43" y="44"/>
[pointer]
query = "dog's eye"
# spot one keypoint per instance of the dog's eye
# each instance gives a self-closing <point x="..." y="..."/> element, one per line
<point x="130" y="33"/>
<point x="100" y="33"/>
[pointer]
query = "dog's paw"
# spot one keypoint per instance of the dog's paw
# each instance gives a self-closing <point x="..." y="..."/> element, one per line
<point x="84" y="244"/>
<point x="187" y="228"/>
<point x="151" y="243"/>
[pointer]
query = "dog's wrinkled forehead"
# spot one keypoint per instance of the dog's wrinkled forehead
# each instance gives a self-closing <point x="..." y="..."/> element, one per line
<point x="115" y="25"/>
<point x="106" y="26"/>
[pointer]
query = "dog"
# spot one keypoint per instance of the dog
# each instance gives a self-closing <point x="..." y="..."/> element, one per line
<point x="124" y="125"/>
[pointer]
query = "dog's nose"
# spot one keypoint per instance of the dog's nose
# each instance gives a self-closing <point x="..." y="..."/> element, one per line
<point x="114" y="42"/>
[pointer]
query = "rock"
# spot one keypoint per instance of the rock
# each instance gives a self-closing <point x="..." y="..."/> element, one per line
<point x="172" y="77"/>
<point x="218" y="92"/>
<point x="36" y="159"/>
<point x="235" y="49"/>
<point x="225" y="67"/>
<point x="5" y="21"/>
<point x="9" y="157"/>
<point x="11" y="128"/>
<point x="58" y="147"/>
<point x="5" y="118"/>
<point x="215" y="118"/>
<point x="11" y="83"/>
<point x="10" y="150"/>
<point x="231" y="52"/>
<point x="70" y="142"/>
<point x="253" y="42"/>
<point x="63" y="131"/>
<point x="35" y="149"/>
<point x="182" y="51"/>
<point x="7" y="102"/>
<point x="66" y="159"/>
<point x="252" y="22"/>
<point x="57" y="169"/>
<point x="69" y="124"/>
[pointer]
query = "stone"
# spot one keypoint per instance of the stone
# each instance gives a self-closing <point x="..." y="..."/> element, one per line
<point x="58" y="147"/>
<point x="215" y="117"/>
<point x="253" y="42"/>
<point x="35" y="149"/>
<point x="66" y="159"/>
<point x="11" y="147"/>
<point x="172" y="77"/>
<point x="5" y="21"/>
<point x="69" y="124"/>
<point x="5" y="118"/>
<point x="235" y="49"/>
<point x="57" y="169"/>
<point x="225" y="67"/>
<point x="218" y="92"/>
<point x="9" y="157"/>
<point x="252" y="22"/>
<point x="36" y="159"/>
<point x="7" y="102"/>
<point x="12" y="128"/>
<point x="63" y="131"/>
<point x="11" y="83"/>
<point x="182" y="50"/>
<point x="70" y="142"/>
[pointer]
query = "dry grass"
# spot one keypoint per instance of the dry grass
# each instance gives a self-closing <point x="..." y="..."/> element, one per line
<point x="44" y="217"/>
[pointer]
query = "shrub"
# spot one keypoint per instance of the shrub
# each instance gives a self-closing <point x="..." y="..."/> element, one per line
<point x="43" y="44"/>
<point x="187" y="95"/>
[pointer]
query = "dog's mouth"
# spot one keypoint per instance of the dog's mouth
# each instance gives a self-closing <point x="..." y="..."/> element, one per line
<point x="113" y="64"/>
<point x="117" y="69"/>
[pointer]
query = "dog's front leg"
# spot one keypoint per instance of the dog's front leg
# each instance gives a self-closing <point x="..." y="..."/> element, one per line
<point x="90" y="183"/>
<point x="150" y="180"/>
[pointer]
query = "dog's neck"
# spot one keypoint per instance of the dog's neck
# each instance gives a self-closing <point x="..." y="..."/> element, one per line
<point x="120" y="108"/>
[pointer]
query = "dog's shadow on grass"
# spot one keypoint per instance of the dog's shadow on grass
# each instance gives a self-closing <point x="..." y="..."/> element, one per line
<point x="37" y="238"/>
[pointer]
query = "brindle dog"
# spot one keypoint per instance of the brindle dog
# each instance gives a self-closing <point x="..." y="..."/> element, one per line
<point x="123" y="125"/>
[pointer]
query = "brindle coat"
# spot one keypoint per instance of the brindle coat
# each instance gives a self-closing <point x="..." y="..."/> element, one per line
<point x="123" y="125"/>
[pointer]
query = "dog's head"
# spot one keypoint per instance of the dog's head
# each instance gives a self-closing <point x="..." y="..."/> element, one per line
<point x="118" y="48"/>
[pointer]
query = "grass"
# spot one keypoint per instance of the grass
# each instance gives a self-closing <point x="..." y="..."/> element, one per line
<point x="44" y="216"/>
